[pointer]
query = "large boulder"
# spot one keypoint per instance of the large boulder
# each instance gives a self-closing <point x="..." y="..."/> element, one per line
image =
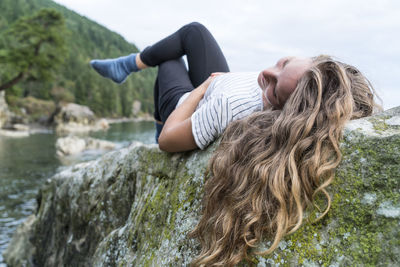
<point x="135" y="206"/>
<point x="73" y="118"/>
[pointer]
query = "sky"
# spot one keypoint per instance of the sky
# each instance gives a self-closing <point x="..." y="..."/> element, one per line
<point x="254" y="34"/>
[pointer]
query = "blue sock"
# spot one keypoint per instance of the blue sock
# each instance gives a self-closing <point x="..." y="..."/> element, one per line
<point x="116" y="69"/>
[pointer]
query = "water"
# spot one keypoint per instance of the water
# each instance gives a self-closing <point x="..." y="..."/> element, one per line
<point x="25" y="163"/>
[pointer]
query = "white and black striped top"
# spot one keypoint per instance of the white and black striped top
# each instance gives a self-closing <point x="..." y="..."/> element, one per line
<point x="229" y="97"/>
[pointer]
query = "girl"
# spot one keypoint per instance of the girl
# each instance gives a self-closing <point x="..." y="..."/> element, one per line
<point x="280" y="130"/>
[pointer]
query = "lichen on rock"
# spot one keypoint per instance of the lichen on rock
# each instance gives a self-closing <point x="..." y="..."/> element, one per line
<point x="135" y="206"/>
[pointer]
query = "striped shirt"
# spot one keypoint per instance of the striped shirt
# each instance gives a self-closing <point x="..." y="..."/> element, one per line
<point x="229" y="97"/>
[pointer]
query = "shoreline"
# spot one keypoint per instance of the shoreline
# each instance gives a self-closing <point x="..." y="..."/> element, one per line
<point x="125" y="119"/>
<point x="31" y="128"/>
<point x="37" y="128"/>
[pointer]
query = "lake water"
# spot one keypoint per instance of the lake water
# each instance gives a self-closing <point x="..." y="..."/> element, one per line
<point x="25" y="163"/>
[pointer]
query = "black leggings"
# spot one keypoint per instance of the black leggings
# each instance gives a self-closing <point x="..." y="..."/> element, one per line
<point x="204" y="57"/>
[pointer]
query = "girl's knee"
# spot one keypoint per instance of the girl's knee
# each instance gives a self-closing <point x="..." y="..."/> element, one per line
<point x="195" y="25"/>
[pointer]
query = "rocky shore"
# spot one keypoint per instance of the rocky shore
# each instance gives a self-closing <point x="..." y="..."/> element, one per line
<point x="135" y="206"/>
<point x="143" y="117"/>
<point x="66" y="119"/>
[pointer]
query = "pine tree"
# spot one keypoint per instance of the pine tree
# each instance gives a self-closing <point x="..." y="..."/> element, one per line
<point x="35" y="47"/>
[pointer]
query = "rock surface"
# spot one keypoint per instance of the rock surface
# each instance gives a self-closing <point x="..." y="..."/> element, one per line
<point x="135" y="206"/>
<point x="73" y="145"/>
<point x="74" y="118"/>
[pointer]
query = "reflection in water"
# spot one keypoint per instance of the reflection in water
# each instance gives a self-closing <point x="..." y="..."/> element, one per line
<point x="25" y="163"/>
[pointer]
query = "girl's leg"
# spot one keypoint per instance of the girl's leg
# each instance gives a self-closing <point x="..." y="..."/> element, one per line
<point x="173" y="80"/>
<point x="171" y="83"/>
<point x="193" y="40"/>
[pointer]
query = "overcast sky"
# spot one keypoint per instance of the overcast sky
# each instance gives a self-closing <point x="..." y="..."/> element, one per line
<point x="255" y="34"/>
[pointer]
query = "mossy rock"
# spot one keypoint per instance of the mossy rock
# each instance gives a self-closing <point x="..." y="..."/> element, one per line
<point x="135" y="207"/>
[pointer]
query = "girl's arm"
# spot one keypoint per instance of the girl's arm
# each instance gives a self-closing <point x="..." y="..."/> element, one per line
<point x="176" y="135"/>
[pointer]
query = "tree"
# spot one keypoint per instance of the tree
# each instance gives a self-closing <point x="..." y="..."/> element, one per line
<point x="35" y="47"/>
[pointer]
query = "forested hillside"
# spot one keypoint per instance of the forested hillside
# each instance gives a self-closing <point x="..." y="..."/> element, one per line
<point x="74" y="80"/>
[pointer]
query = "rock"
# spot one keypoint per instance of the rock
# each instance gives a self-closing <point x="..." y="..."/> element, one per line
<point x="20" y="127"/>
<point x="72" y="112"/>
<point x="135" y="206"/>
<point x="15" y="130"/>
<point x="73" y="145"/>
<point x="102" y="124"/>
<point x="142" y="117"/>
<point x="12" y="133"/>
<point x="32" y="109"/>
<point x="70" y="145"/>
<point x="146" y="117"/>
<point x="23" y="130"/>
<point x="18" y="244"/>
<point x="15" y="119"/>
<point x="4" y="113"/>
<point x="92" y="143"/>
<point x="74" y="118"/>
<point x="73" y="127"/>
<point x="136" y="108"/>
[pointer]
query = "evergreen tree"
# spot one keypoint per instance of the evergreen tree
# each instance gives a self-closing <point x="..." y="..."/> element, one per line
<point x="34" y="47"/>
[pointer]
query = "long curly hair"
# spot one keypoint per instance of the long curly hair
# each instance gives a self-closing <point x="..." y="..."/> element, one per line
<point x="270" y="166"/>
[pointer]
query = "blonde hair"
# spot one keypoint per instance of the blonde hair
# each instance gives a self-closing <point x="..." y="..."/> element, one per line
<point x="270" y="166"/>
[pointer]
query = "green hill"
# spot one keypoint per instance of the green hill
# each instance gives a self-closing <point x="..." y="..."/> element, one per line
<point x="75" y="79"/>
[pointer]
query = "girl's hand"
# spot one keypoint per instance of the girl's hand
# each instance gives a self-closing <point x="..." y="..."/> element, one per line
<point x="176" y="134"/>
<point x="201" y="90"/>
<point x="203" y="87"/>
<point x="214" y="74"/>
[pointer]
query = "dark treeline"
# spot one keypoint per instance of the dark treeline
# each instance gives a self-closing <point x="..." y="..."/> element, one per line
<point x="74" y="80"/>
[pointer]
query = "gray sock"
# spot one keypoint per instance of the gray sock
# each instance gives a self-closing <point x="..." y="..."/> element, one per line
<point x="116" y="69"/>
